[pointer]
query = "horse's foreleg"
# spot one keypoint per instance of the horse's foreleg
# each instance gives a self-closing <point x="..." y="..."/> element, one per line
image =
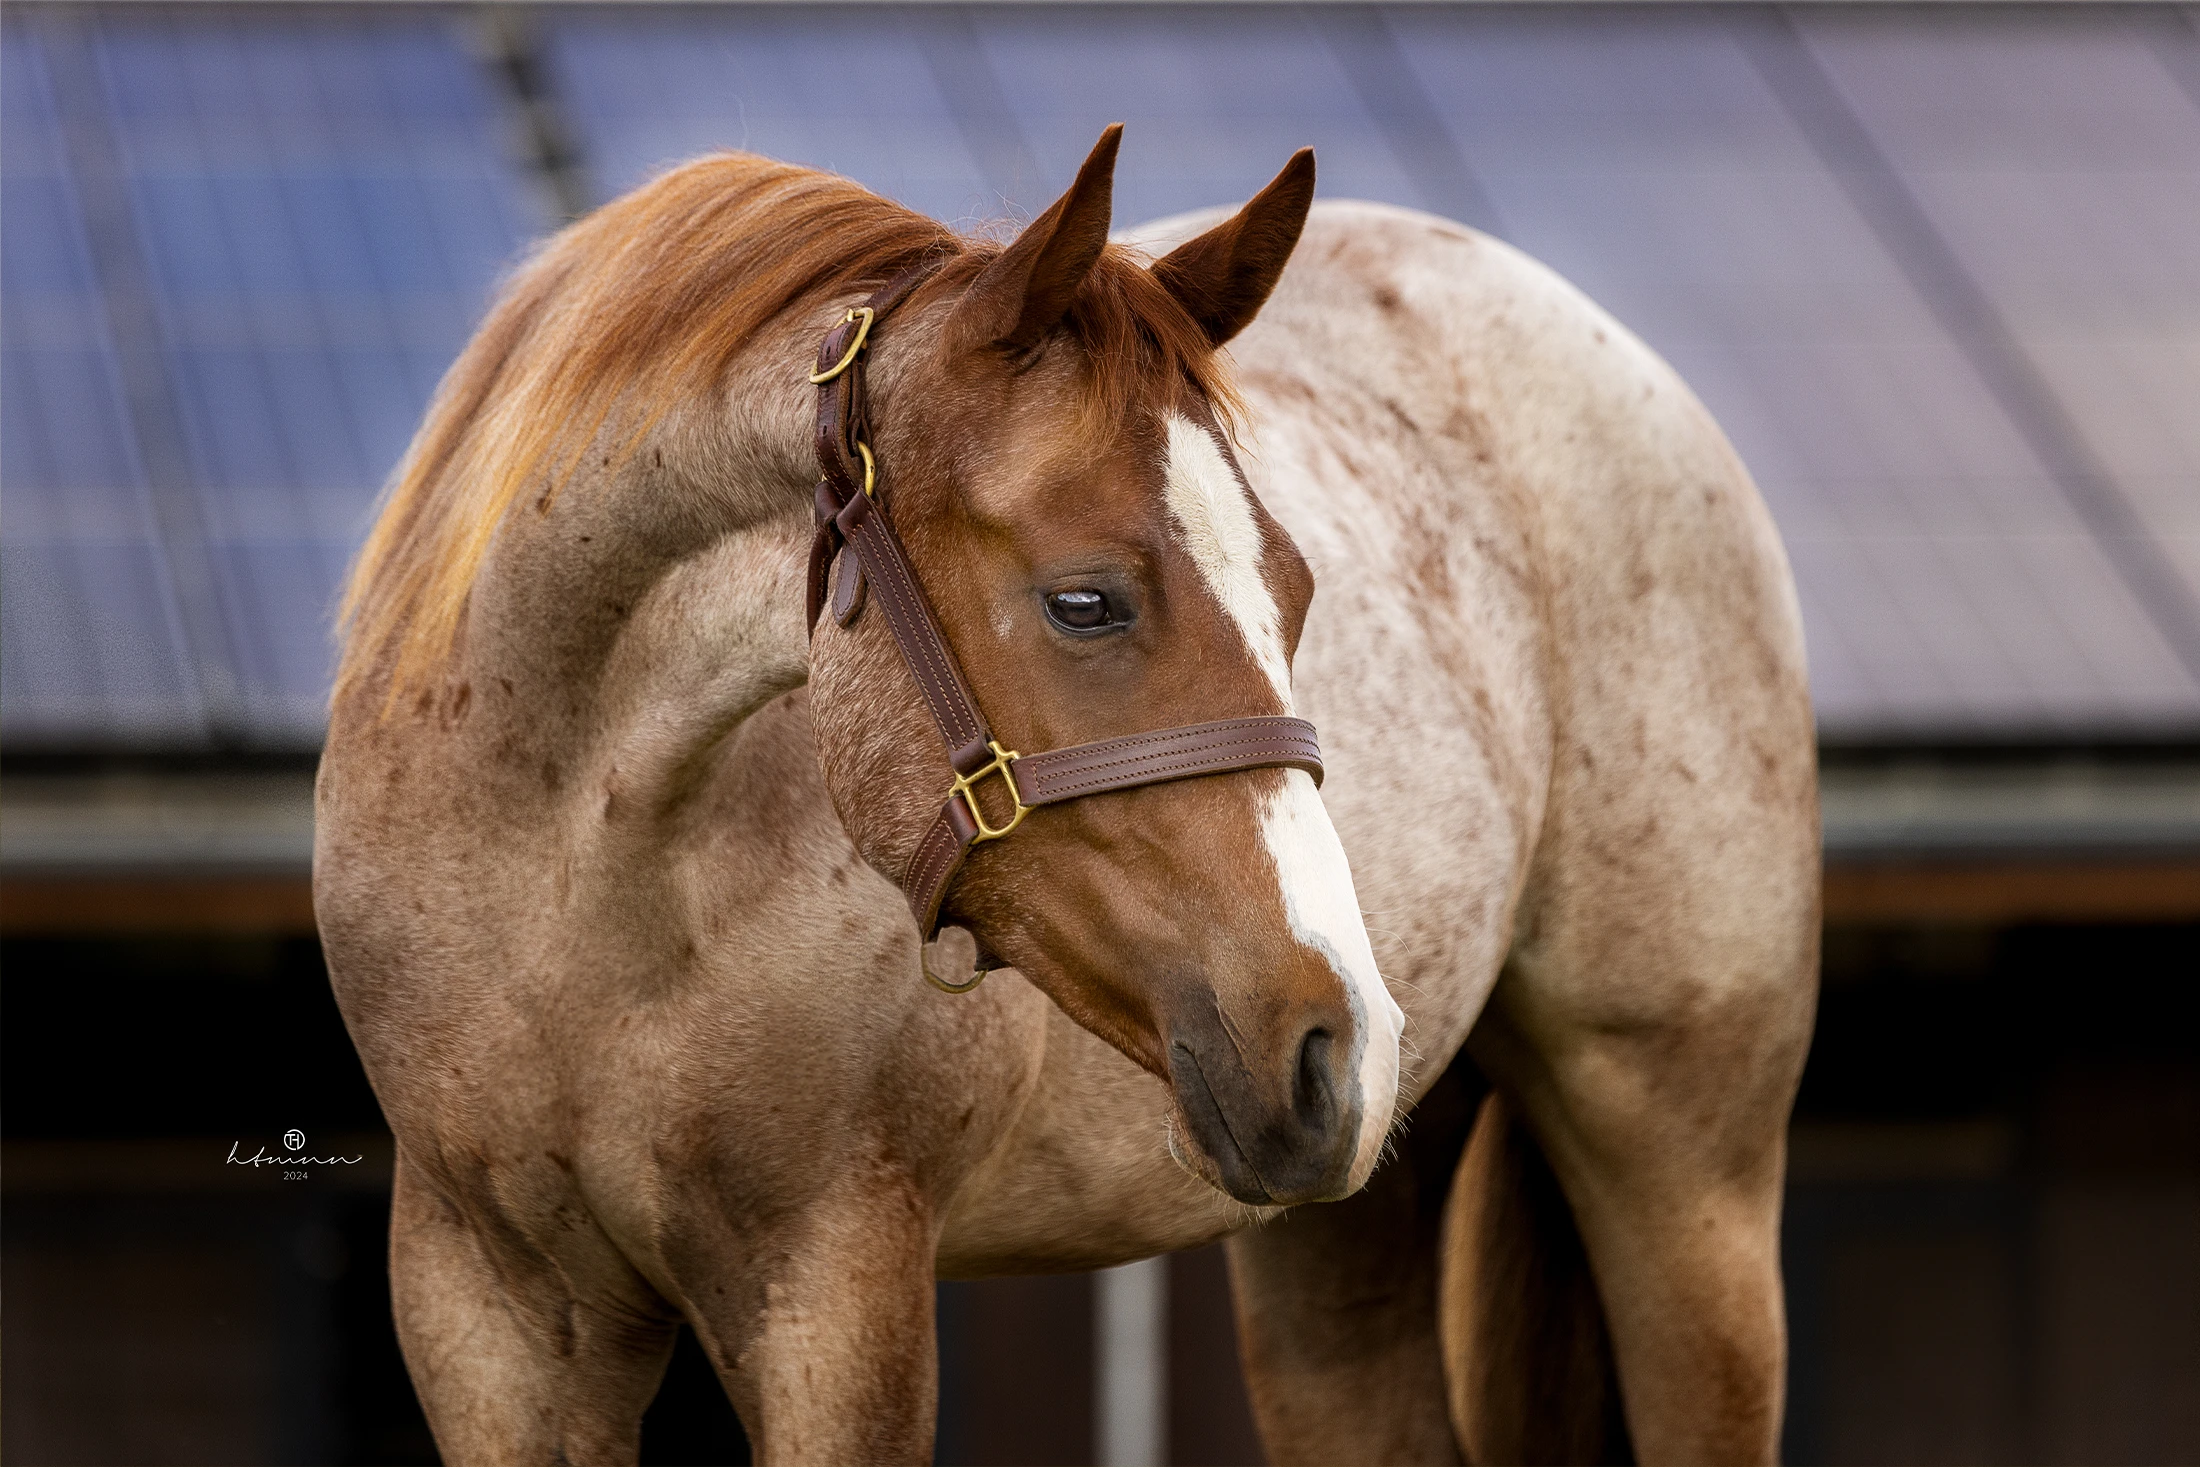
<point x="510" y="1365"/>
<point x="1669" y="1142"/>
<point x="827" y="1347"/>
<point x="1336" y="1305"/>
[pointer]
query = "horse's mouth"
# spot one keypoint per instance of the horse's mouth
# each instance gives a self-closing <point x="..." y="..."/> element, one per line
<point x="1215" y="1156"/>
<point x="1253" y="1167"/>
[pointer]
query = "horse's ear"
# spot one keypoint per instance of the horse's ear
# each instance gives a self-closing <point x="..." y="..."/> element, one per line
<point x="1024" y="294"/>
<point x="1224" y="276"/>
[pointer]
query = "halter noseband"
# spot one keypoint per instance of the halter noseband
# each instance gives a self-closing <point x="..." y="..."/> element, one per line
<point x="851" y="515"/>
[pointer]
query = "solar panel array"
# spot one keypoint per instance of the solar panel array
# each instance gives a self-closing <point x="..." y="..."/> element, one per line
<point x="1937" y="272"/>
<point x="239" y="251"/>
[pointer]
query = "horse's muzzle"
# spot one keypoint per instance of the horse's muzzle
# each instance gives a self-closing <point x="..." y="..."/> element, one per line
<point x="1274" y="1125"/>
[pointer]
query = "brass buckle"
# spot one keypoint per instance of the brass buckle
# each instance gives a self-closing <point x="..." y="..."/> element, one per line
<point x="855" y="313"/>
<point x="966" y="786"/>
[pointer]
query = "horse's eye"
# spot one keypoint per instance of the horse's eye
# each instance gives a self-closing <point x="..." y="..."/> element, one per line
<point x="1080" y="611"/>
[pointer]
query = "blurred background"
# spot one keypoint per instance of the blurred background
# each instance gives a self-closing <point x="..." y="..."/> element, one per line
<point x="1935" y="268"/>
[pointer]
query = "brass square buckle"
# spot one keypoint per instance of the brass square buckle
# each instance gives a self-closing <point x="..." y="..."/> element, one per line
<point x="966" y="786"/>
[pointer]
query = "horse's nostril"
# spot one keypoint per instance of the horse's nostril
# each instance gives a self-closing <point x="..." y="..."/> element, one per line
<point x="1314" y="1092"/>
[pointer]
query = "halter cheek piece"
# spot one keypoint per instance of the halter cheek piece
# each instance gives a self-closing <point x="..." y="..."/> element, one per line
<point x="851" y="515"/>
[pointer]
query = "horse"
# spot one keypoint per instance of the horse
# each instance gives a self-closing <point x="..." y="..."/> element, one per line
<point x="1479" y="1052"/>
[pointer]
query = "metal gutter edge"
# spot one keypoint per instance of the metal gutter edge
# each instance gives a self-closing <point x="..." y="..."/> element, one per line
<point x="134" y="823"/>
<point x="2059" y="808"/>
<point x="2064" y="807"/>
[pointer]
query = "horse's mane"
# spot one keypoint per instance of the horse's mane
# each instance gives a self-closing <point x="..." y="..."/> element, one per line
<point x="645" y="303"/>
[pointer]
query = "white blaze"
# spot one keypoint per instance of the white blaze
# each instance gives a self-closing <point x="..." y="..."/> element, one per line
<point x="1215" y="516"/>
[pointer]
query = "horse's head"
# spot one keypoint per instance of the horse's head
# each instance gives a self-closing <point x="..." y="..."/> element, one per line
<point x="1049" y="425"/>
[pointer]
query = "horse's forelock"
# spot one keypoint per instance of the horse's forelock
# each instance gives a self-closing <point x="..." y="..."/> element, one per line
<point x="1142" y="345"/>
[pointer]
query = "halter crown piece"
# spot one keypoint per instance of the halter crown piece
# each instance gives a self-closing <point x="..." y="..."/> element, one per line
<point x="851" y="516"/>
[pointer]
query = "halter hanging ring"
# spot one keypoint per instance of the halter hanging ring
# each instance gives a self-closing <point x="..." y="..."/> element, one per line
<point x="977" y="976"/>
<point x="866" y="315"/>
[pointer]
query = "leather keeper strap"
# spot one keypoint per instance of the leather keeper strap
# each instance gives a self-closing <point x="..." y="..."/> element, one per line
<point x="1194" y="750"/>
<point x="843" y="410"/>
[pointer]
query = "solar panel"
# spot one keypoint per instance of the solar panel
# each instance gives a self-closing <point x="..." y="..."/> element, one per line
<point x="1948" y="586"/>
<point x="1213" y="101"/>
<point x="843" y="88"/>
<point x="92" y="648"/>
<point x="314" y="206"/>
<point x="2059" y="156"/>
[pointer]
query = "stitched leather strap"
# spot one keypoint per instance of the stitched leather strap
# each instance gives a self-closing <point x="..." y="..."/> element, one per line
<point x="1172" y="753"/>
<point x="855" y="522"/>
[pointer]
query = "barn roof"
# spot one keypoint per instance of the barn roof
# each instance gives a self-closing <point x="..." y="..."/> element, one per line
<point x="1936" y="270"/>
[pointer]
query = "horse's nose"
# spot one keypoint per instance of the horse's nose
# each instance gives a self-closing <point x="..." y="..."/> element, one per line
<point x="1280" y="1126"/>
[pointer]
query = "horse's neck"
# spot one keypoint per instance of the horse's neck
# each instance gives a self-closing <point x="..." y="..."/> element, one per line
<point x="658" y="601"/>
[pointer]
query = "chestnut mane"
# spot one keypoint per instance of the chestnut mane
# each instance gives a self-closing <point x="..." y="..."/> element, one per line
<point x="648" y="301"/>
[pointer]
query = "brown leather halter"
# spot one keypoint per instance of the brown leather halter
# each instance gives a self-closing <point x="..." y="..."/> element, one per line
<point x="850" y="514"/>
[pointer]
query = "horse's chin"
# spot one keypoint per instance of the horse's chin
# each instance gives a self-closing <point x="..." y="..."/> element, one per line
<point x="1195" y="1160"/>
